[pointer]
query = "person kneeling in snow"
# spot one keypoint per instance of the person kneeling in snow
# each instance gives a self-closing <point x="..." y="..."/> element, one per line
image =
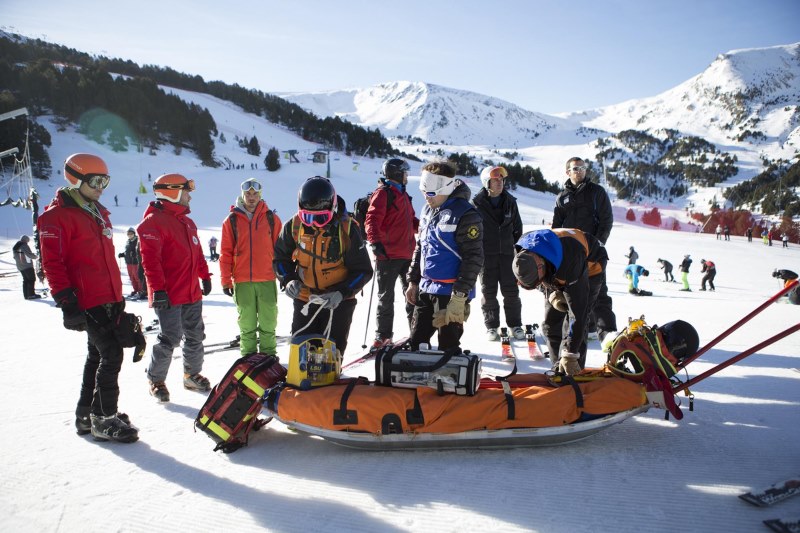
<point x="567" y="264"/>
<point x="632" y="272"/>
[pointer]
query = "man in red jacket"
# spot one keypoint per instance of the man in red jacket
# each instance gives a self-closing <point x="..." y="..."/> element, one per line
<point x="81" y="268"/>
<point x="173" y="262"/>
<point x="390" y="226"/>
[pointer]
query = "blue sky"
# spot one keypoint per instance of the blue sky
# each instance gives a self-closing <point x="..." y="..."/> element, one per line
<point x="544" y="56"/>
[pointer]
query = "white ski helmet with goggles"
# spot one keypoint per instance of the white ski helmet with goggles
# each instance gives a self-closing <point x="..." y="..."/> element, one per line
<point x="490" y="173"/>
<point x="434" y="184"/>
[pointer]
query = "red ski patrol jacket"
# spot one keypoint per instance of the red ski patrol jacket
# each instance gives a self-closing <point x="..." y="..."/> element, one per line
<point x="392" y="223"/>
<point x="172" y="256"/>
<point x="78" y="251"/>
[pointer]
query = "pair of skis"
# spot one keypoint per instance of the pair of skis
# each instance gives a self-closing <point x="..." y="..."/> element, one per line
<point x="507" y="352"/>
<point x="235" y="344"/>
<point x="773" y="494"/>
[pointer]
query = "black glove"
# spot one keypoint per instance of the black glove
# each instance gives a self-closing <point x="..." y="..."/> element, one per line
<point x="74" y="316"/>
<point x="228" y="291"/>
<point x="161" y="300"/>
<point x="121" y="254"/>
<point x="206" y="286"/>
<point x="379" y="251"/>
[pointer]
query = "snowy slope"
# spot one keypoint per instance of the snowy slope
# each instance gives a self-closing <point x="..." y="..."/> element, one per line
<point x="647" y="474"/>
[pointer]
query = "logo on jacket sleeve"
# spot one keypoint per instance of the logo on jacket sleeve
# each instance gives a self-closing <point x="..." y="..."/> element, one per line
<point x="473" y="232"/>
<point x="194" y="240"/>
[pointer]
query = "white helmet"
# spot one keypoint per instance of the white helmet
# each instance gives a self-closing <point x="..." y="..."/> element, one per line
<point x="489" y="173"/>
<point x="434" y="183"/>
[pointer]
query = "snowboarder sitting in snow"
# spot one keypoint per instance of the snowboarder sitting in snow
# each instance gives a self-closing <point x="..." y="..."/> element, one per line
<point x="710" y="271"/>
<point x="632" y="272"/>
<point x="666" y="266"/>
<point x="788" y="276"/>
<point x="567" y="264"/>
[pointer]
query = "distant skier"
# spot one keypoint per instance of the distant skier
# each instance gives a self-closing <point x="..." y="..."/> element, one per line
<point x="749" y="234"/>
<point x="719" y="231"/>
<point x="24" y="257"/>
<point x="710" y="271"/>
<point x="633" y="272"/>
<point x="727" y="232"/>
<point x="632" y="256"/>
<point x="212" y="248"/>
<point x="685" y="264"/>
<point x="785" y="239"/>
<point x="666" y="266"/>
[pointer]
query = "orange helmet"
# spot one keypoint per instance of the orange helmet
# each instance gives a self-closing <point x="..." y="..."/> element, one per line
<point x="82" y="167"/>
<point x="169" y="186"/>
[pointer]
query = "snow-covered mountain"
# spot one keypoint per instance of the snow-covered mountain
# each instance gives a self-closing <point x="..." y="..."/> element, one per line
<point x="750" y="95"/>
<point x="746" y="97"/>
<point x="432" y="113"/>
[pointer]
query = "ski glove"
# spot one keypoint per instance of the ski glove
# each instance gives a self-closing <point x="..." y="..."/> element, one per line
<point x="206" y="286"/>
<point x="379" y="251"/>
<point x="332" y="299"/>
<point x="568" y="364"/>
<point x="557" y="300"/>
<point x="457" y="311"/>
<point x="161" y="300"/>
<point x="228" y="291"/>
<point x="293" y="288"/>
<point x="412" y="293"/>
<point x="74" y="317"/>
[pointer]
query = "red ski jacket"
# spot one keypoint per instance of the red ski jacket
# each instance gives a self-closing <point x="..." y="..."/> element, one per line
<point x="78" y="251"/>
<point x="393" y="224"/>
<point x="172" y="256"/>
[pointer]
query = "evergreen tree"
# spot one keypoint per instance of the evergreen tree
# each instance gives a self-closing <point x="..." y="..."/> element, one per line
<point x="273" y="159"/>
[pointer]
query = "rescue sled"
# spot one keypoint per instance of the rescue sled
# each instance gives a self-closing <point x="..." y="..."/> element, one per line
<point x="525" y="410"/>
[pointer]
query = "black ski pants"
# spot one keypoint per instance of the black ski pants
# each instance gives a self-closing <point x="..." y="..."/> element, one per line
<point x="601" y="315"/>
<point x="668" y="275"/>
<point x="340" y="326"/>
<point x="99" y="388"/>
<point x="557" y="325"/>
<point x="497" y="271"/>
<point x="708" y="278"/>
<point x="387" y="272"/>
<point x="28" y="282"/>
<point x="422" y="322"/>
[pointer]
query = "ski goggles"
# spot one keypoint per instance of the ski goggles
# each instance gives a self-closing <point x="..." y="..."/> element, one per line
<point x="498" y="173"/>
<point x="577" y="169"/>
<point x="251" y="185"/>
<point x="188" y="185"/>
<point x="433" y="184"/>
<point x="97" y="181"/>
<point x="315" y="218"/>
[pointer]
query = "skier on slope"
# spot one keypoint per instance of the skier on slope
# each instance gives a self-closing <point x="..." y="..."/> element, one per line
<point x="710" y="271"/>
<point x="666" y="266"/>
<point x="685" y="264"/>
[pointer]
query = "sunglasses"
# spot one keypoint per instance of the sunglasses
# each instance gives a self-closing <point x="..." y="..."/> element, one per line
<point x="251" y="185"/>
<point x="577" y="169"/>
<point x="188" y="186"/>
<point x="98" y="181"/>
<point x="315" y="218"/>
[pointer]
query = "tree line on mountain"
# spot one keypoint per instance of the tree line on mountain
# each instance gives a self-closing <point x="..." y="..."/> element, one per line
<point x="120" y="103"/>
<point x="772" y="190"/>
<point x="639" y="163"/>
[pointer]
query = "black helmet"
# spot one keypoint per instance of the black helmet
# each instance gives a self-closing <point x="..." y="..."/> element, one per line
<point x="317" y="194"/>
<point x="681" y="338"/>
<point x="395" y="168"/>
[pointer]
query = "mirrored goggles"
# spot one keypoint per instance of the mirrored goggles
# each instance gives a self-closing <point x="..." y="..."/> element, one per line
<point x="188" y="185"/>
<point x="251" y="185"/>
<point x="97" y="181"/>
<point x="498" y="173"/>
<point x="315" y="218"/>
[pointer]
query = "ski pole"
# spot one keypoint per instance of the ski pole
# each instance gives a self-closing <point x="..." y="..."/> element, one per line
<point x="735" y="359"/>
<point x="736" y="326"/>
<point x="369" y="309"/>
